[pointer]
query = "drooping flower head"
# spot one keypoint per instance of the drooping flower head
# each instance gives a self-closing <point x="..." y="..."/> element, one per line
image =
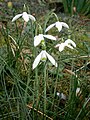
<point x="43" y="56"/>
<point x="40" y="37"/>
<point x="58" y="25"/>
<point x="68" y="43"/>
<point x="25" y="16"/>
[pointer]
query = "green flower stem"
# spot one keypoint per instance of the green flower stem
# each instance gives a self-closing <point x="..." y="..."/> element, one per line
<point x="72" y="7"/>
<point x="53" y="94"/>
<point x="71" y="83"/>
<point x="57" y="71"/>
<point x="43" y="45"/>
<point x="45" y="89"/>
<point x="48" y="17"/>
<point x="56" y="80"/>
<point x="33" y="98"/>
<point x="36" y="86"/>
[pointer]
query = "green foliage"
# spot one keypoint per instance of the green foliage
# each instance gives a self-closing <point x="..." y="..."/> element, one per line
<point x="77" y="6"/>
<point x="25" y="94"/>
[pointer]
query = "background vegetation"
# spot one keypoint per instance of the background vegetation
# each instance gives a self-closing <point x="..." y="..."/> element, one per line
<point x="21" y="88"/>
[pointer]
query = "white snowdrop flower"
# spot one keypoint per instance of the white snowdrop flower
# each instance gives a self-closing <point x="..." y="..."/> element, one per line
<point x="25" y="16"/>
<point x="40" y="37"/>
<point x="69" y="43"/>
<point x="61" y="95"/>
<point x="61" y="46"/>
<point x="58" y="94"/>
<point x="43" y="56"/>
<point x="58" y="25"/>
<point x="78" y="91"/>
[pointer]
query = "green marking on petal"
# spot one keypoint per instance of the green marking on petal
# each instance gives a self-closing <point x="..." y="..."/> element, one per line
<point x="44" y="59"/>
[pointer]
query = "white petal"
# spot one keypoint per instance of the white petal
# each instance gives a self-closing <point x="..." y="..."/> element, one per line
<point x="58" y="94"/>
<point x="51" y="59"/>
<point x="69" y="46"/>
<point x="43" y="55"/>
<point x="25" y="17"/>
<point x="50" y="37"/>
<point x="49" y="27"/>
<point x="77" y="91"/>
<point x="61" y="47"/>
<point x="32" y="17"/>
<point x="16" y="17"/>
<point x="64" y="24"/>
<point x="68" y="41"/>
<point x="59" y="26"/>
<point x="57" y="45"/>
<point x="37" y="39"/>
<point x="63" y="96"/>
<point x="37" y="60"/>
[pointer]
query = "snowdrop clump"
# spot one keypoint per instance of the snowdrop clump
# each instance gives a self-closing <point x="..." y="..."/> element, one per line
<point x="40" y="39"/>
